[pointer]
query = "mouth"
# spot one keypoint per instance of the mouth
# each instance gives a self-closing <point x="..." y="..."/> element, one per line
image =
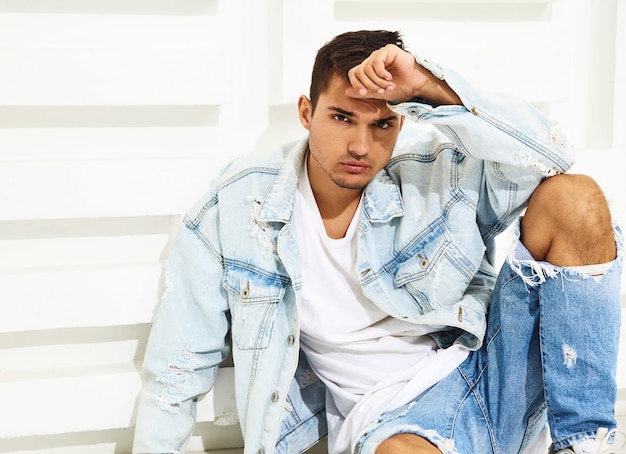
<point x="355" y="166"/>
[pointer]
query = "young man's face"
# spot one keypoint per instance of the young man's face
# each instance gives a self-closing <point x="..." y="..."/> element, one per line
<point x="350" y="139"/>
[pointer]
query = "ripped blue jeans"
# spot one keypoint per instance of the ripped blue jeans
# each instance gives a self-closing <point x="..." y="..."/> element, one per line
<point x="549" y="356"/>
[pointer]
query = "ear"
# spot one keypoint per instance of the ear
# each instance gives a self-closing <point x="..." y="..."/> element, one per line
<point x="305" y="111"/>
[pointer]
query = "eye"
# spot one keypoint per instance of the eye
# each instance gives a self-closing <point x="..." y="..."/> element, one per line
<point x="341" y="118"/>
<point x="383" y="124"/>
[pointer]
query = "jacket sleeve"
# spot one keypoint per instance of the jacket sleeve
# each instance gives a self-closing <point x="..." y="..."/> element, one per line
<point x="187" y="343"/>
<point x="517" y="145"/>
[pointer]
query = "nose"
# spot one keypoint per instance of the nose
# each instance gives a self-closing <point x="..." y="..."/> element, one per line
<point x="361" y="142"/>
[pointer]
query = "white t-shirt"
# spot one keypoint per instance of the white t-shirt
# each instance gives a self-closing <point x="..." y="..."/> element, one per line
<point x="369" y="361"/>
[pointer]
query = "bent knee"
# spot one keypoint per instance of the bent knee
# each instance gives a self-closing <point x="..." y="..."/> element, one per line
<point x="568" y="218"/>
<point x="570" y="201"/>
<point x="573" y="190"/>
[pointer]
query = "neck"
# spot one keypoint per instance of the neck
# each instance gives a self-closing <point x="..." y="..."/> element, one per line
<point x="337" y="216"/>
<point x="336" y="205"/>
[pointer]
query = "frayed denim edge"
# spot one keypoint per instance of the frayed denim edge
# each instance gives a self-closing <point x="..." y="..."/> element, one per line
<point x="535" y="273"/>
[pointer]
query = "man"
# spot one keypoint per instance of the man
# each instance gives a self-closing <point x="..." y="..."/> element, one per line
<point x="352" y="274"/>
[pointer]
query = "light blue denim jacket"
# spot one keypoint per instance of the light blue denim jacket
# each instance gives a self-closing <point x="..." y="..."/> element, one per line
<point x="425" y="254"/>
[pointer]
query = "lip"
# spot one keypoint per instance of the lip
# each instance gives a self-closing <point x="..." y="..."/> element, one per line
<point x="355" y="166"/>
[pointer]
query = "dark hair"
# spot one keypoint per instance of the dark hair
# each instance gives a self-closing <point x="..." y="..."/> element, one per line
<point x="344" y="52"/>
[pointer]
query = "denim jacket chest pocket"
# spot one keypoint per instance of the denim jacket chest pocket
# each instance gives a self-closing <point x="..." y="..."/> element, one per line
<point x="253" y="300"/>
<point x="434" y="271"/>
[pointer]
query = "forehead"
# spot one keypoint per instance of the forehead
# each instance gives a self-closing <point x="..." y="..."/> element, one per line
<point x="335" y="96"/>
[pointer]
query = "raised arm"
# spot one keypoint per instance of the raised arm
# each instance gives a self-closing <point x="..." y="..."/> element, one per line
<point x="516" y="145"/>
<point x="394" y="75"/>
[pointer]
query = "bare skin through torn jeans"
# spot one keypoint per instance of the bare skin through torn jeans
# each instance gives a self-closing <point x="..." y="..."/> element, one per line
<point x="536" y="364"/>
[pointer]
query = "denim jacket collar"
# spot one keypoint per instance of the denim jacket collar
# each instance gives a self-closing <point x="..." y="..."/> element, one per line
<point x="278" y="205"/>
<point x="382" y="201"/>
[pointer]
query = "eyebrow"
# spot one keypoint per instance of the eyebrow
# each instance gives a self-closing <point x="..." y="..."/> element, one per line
<point x="351" y="114"/>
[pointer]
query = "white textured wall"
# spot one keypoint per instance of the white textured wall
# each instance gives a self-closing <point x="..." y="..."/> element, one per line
<point x="116" y="114"/>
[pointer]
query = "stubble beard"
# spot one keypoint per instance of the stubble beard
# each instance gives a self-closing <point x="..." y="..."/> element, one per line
<point x="342" y="183"/>
<point x="339" y="181"/>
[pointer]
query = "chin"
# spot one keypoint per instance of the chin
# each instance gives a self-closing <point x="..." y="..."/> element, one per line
<point x="353" y="185"/>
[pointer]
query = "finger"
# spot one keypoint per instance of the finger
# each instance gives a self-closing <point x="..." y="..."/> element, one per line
<point x="385" y="94"/>
<point x="354" y="93"/>
<point x="379" y="79"/>
<point x="373" y="72"/>
<point x="366" y="79"/>
<point x="356" y="81"/>
<point x="368" y="86"/>
<point x="377" y="68"/>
